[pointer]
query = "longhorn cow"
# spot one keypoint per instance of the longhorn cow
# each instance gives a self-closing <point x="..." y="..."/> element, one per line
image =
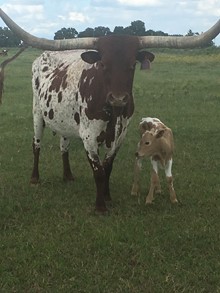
<point x="89" y="93"/>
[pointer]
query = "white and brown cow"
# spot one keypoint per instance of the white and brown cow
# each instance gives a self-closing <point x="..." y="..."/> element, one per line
<point x="75" y="93"/>
<point x="156" y="143"/>
<point x="89" y="93"/>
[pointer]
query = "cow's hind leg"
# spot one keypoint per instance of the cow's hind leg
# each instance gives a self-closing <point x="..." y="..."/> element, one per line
<point x="64" y="147"/>
<point x="38" y="132"/>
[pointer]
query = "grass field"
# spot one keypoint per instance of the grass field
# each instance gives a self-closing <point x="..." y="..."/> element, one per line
<point x="52" y="241"/>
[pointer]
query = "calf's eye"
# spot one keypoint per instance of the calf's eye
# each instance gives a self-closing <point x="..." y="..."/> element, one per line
<point x="147" y="143"/>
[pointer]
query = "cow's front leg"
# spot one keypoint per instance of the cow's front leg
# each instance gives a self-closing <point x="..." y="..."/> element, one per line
<point x="107" y="164"/>
<point x="64" y="148"/>
<point x="100" y="181"/>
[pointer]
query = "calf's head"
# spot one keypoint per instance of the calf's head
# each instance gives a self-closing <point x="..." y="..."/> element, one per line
<point x="149" y="144"/>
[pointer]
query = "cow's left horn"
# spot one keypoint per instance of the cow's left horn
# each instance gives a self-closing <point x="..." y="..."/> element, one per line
<point x="45" y="44"/>
<point x="180" y="42"/>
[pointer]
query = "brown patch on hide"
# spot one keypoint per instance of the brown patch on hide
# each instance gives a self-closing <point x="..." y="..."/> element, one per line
<point x="51" y="114"/>
<point x="58" y="78"/>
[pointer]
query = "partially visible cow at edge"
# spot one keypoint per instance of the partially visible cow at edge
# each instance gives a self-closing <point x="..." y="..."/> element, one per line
<point x="4" y="52"/>
<point x="2" y="68"/>
<point x="90" y="93"/>
<point x="157" y="143"/>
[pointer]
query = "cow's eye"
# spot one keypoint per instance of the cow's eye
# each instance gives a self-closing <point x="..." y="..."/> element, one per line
<point x="147" y="142"/>
<point x="103" y="65"/>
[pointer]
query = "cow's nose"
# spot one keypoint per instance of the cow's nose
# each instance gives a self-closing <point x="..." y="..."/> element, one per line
<point x="118" y="100"/>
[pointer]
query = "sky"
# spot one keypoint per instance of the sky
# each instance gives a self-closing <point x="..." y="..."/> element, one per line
<point x="43" y="18"/>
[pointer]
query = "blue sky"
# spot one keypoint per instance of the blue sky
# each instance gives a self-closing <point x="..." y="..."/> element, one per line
<point x="43" y="17"/>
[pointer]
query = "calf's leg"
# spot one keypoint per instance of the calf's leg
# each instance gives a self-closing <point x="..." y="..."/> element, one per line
<point x="168" y="172"/>
<point x="153" y="186"/>
<point x="154" y="183"/>
<point x="135" y="190"/>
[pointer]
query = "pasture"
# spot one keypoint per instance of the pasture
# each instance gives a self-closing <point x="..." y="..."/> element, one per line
<point x="52" y="241"/>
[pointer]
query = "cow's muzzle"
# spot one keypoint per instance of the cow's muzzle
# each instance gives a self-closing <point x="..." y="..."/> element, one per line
<point x="117" y="100"/>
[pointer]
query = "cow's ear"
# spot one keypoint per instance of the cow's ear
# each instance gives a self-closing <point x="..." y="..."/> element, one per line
<point x="145" y="55"/>
<point x="90" y="57"/>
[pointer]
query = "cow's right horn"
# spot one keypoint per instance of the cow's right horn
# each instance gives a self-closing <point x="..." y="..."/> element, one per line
<point x="45" y="44"/>
<point x="180" y="42"/>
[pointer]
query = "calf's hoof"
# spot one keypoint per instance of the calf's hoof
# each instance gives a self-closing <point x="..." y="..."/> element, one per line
<point x="174" y="201"/>
<point x="149" y="202"/>
<point x="134" y="191"/>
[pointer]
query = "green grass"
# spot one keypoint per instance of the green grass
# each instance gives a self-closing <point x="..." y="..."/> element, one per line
<point x="52" y="241"/>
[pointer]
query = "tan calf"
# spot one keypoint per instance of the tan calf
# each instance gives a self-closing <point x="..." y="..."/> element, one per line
<point x="157" y="143"/>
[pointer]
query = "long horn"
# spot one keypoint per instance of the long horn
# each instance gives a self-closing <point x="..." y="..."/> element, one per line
<point x="180" y="42"/>
<point x="91" y="43"/>
<point x="45" y="44"/>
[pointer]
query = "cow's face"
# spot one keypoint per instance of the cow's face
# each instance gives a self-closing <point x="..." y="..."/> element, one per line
<point x="116" y="60"/>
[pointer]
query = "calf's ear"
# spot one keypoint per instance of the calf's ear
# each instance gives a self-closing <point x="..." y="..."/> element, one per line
<point x="159" y="133"/>
<point x="143" y="126"/>
<point x="90" y="57"/>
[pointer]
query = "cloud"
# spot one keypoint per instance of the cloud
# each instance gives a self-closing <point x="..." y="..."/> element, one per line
<point x="140" y="3"/>
<point x="209" y="7"/>
<point x="77" y="16"/>
<point x="23" y="9"/>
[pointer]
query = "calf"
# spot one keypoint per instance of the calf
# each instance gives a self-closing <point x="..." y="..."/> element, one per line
<point x="157" y="143"/>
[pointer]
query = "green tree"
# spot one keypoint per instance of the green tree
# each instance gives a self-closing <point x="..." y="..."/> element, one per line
<point x="89" y="32"/>
<point x="118" y="30"/>
<point x="101" y="31"/>
<point x="7" y="38"/>
<point x="66" y="33"/>
<point x="137" y="28"/>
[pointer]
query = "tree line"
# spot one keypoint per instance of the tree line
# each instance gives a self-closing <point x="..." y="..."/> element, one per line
<point x="137" y="28"/>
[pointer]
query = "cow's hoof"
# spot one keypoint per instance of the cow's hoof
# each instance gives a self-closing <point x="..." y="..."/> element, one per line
<point x="101" y="210"/>
<point x="34" y="181"/>
<point x="69" y="178"/>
